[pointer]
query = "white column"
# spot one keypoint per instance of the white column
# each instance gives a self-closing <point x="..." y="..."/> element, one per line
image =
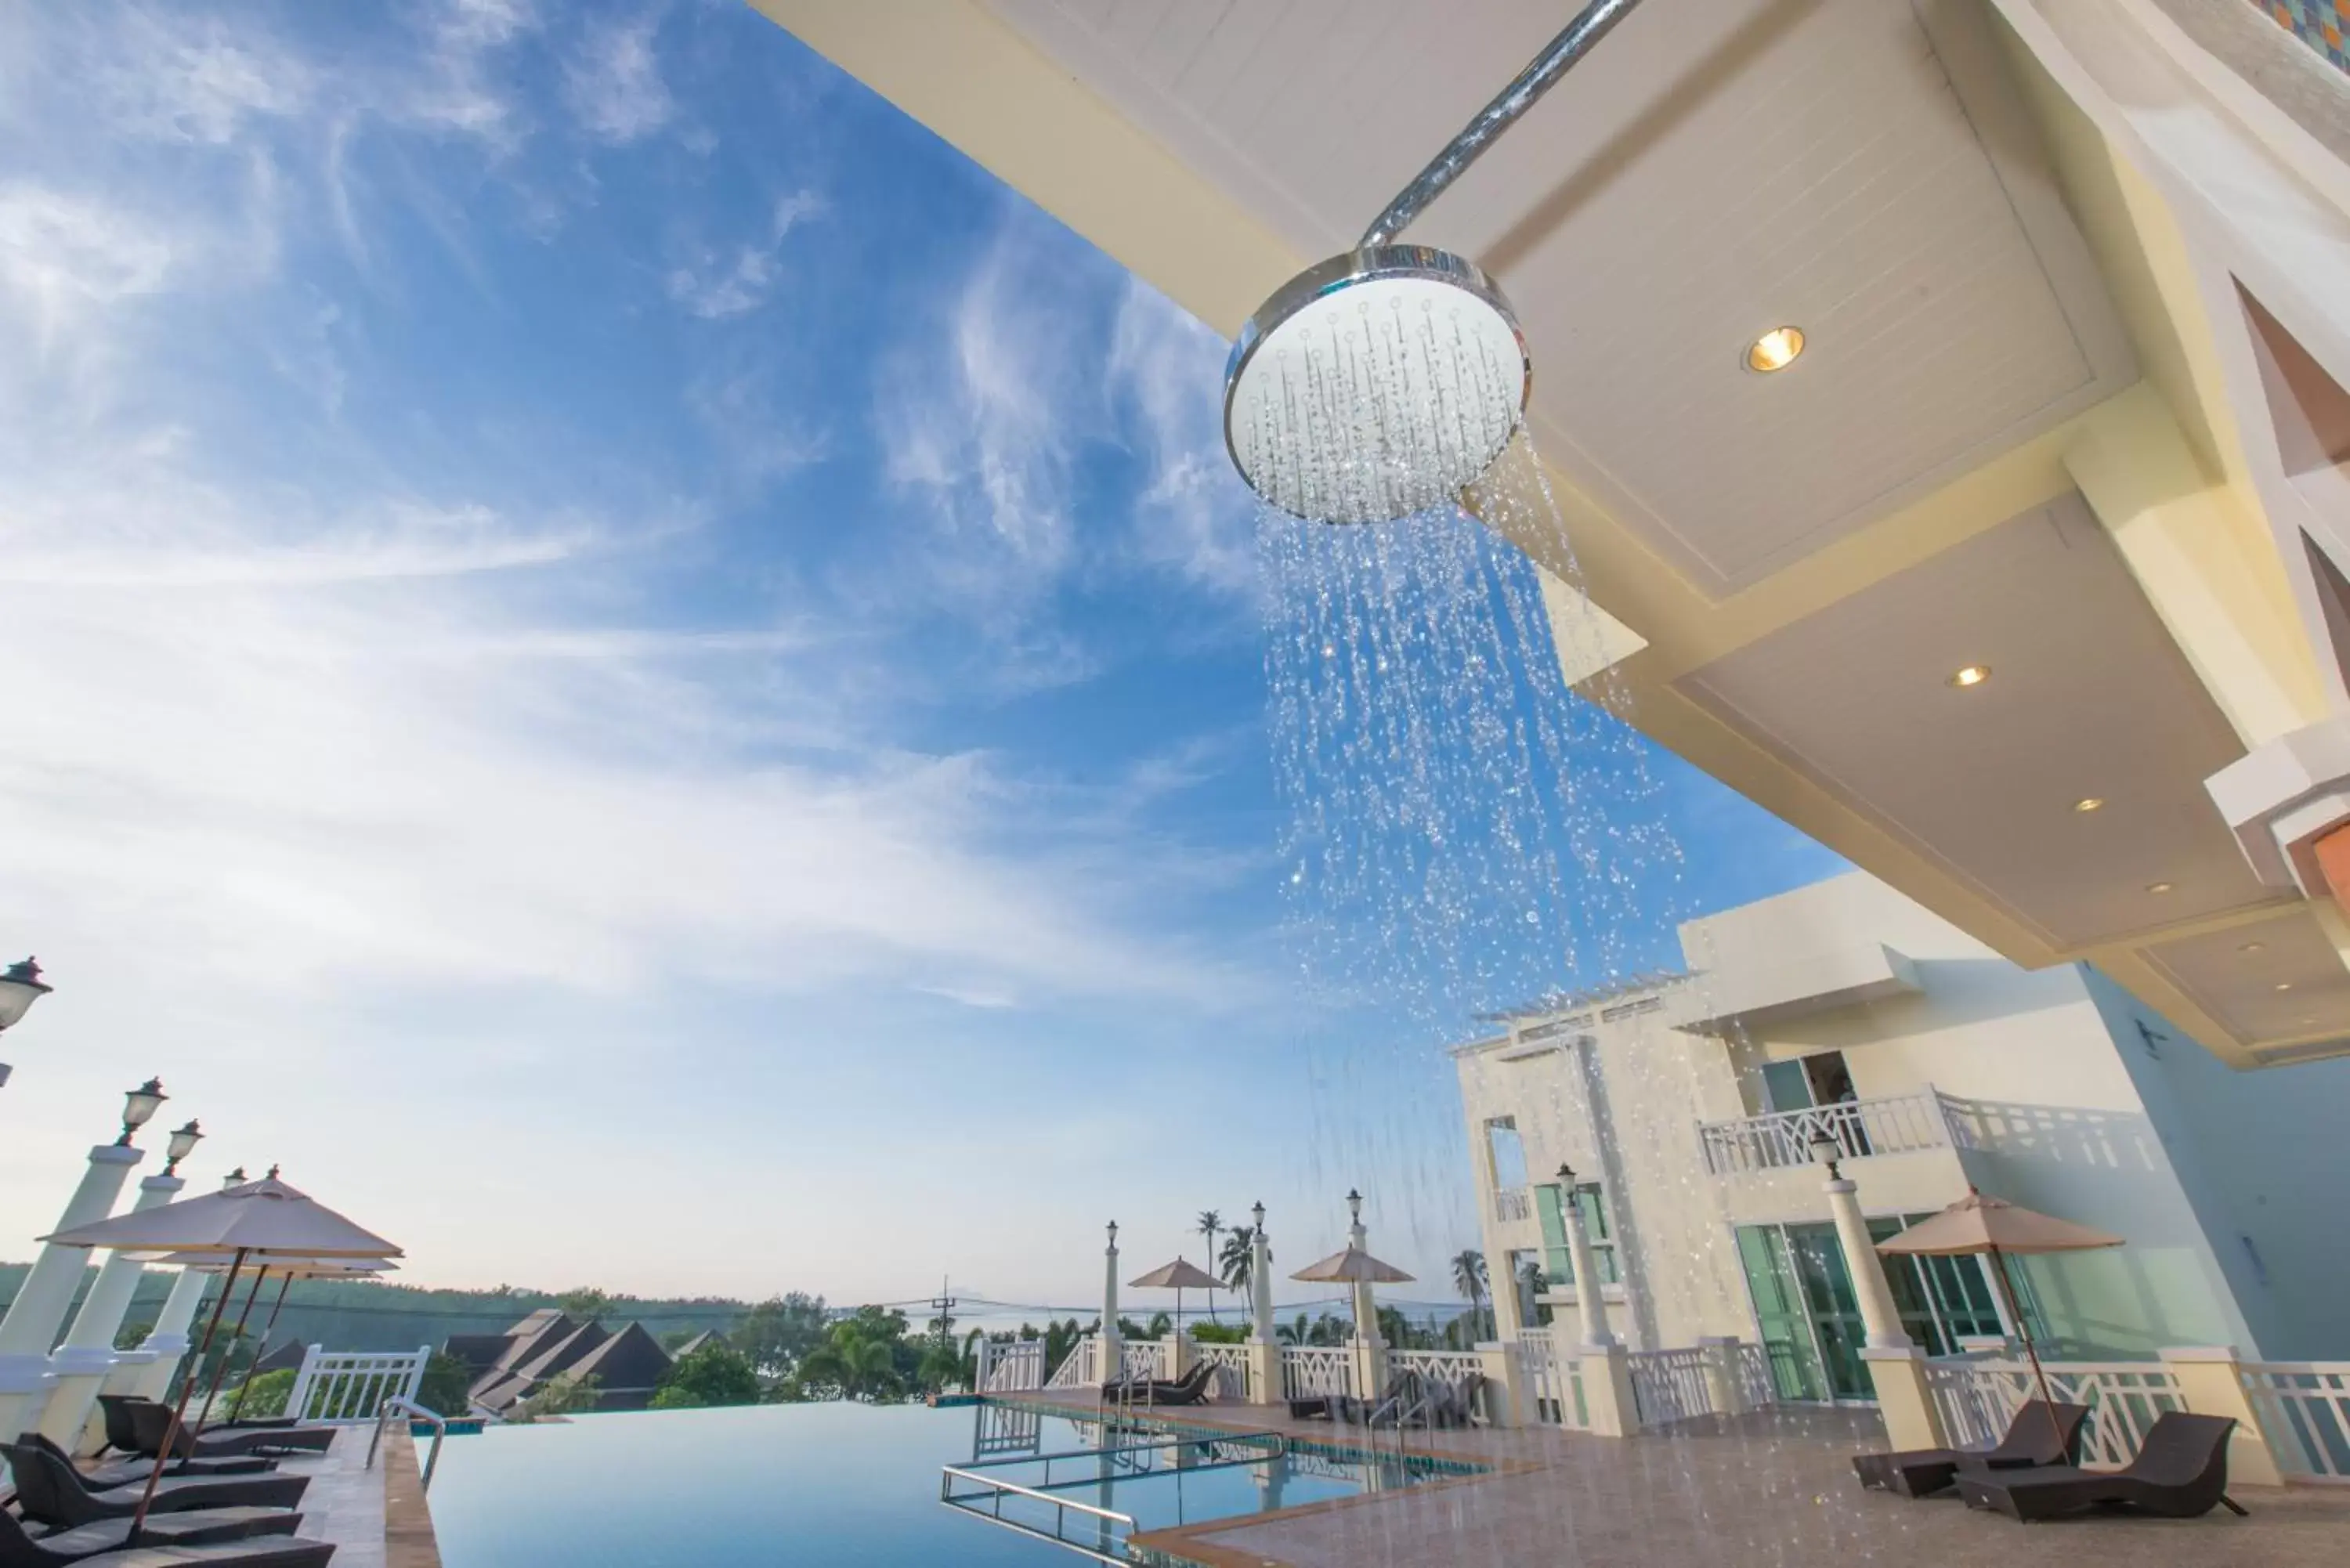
<point x="168" y="1342"/>
<point x="82" y="1362"/>
<point x="1113" y="1348"/>
<point x="1878" y="1315"/>
<point x="39" y="1309"/>
<point x="1265" y="1346"/>
<point x="1589" y="1305"/>
<point x="1370" y="1350"/>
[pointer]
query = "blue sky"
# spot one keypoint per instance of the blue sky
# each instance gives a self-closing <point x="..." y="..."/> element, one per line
<point x="647" y="677"/>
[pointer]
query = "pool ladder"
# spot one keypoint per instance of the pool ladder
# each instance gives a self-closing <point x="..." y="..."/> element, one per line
<point x="414" y="1411"/>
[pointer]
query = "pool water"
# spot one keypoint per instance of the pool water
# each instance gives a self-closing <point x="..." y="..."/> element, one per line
<point x="837" y="1483"/>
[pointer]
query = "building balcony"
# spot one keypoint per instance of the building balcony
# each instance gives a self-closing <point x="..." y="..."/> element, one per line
<point x="1898" y="1124"/>
<point x="1513" y="1205"/>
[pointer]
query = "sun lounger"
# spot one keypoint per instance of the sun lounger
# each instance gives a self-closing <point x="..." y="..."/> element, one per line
<point x="271" y="1552"/>
<point x="1341" y="1408"/>
<point x="130" y="1472"/>
<point x="1188" y="1389"/>
<point x="24" y="1545"/>
<point x="52" y="1492"/>
<point x="2181" y="1472"/>
<point x="150" y="1420"/>
<point x="2031" y="1440"/>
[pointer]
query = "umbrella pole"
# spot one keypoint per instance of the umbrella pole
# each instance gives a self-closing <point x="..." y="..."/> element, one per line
<point x="219" y="1372"/>
<point x="179" y="1410"/>
<point x="2030" y="1351"/>
<point x="276" y="1307"/>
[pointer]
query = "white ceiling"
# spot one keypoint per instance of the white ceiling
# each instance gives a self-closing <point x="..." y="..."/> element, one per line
<point x="2235" y="975"/>
<point x="1714" y="167"/>
<point x="2088" y="697"/>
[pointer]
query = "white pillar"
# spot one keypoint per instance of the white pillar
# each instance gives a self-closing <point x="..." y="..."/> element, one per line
<point x="169" y="1340"/>
<point x="1370" y="1350"/>
<point x="82" y="1362"/>
<point x="1878" y="1315"/>
<point x="1589" y="1305"/>
<point x="1260" y="1285"/>
<point x="1113" y="1348"/>
<point x="39" y="1309"/>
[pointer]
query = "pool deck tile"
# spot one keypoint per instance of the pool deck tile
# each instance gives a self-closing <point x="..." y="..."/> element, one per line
<point x="1773" y="1490"/>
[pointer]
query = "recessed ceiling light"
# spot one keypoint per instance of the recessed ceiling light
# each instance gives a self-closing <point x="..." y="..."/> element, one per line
<point x="1775" y="349"/>
<point x="2158" y="886"/>
<point x="1971" y="675"/>
<point x="2284" y="985"/>
<point x="2089" y="803"/>
<point x="2251" y="947"/>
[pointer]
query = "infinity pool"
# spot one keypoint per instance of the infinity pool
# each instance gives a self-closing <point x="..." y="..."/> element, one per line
<point x="841" y="1483"/>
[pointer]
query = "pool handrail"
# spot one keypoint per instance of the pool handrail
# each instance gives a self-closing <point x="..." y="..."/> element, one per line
<point x="414" y="1412"/>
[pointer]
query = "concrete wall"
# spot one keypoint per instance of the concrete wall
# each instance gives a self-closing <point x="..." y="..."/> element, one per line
<point x="2261" y="1157"/>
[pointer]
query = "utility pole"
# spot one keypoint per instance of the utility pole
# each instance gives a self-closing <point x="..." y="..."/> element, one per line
<point x="942" y="1307"/>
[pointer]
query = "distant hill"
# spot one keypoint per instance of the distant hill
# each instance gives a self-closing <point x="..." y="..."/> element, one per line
<point x="357" y="1314"/>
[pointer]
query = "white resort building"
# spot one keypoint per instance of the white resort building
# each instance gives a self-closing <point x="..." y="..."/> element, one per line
<point x="1688" y="1107"/>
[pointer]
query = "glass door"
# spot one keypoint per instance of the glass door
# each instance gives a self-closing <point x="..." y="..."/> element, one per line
<point x="1779" y="1315"/>
<point x="1825" y="1286"/>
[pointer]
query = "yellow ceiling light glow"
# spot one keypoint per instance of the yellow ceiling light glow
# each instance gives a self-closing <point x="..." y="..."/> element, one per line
<point x="2284" y="985"/>
<point x="2251" y="947"/>
<point x="2158" y="886"/>
<point x="1775" y="349"/>
<point x="2089" y="803"/>
<point x="1971" y="675"/>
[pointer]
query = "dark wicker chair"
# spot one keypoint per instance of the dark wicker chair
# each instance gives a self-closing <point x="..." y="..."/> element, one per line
<point x="52" y="1492"/>
<point x="134" y="1471"/>
<point x="2181" y="1472"/>
<point x="22" y="1546"/>
<point x="150" y="1421"/>
<point x="2032" y="1439"/>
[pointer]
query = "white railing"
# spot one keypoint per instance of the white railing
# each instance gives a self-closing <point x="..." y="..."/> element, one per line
<point x="1436" y="1366"/>
<point x="1750" y="1373"/>
<point x="1232" y="1365"/>
<point x="2303" y="1408"/>
<point x="1140" y="1359"/>
<point x="1669" y="1385"/>
<point x="1555" y="1381"/>
<point x="352" y="1385"/>
<point x="1076" y="1368"/>
<point x="1310" y="1370"/>
<point x="1977" y="1399"/>
<point x="1012" y="1368"/>
<point x="1513" y="1203"/>
<point x="1783" y="1139"/>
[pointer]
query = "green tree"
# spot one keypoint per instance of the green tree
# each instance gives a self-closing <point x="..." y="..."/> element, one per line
<point x="1220" y="1333"/>
<point x="259" y="1396"/>
<point x="1469" y="1278"/>
<point x="1210" y="1223"/>
<point x="716" y="1374"/>
<point x="779" y="1331"/>
<point x="442" y="1389"/>
<point x="858" y="1360"/>
<point x="584" y="1302"/>
<point x="132" y="1335"/>
<point x="1239" y="1258"/>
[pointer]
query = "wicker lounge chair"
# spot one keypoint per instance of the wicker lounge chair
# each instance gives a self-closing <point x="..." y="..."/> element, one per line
<point x="150" y="1421"/>
<point x="120" y="1438"/>
<point x="129" y="1472"/>
<point x="1341" y="1408"/>
<point x="2181" y="1472"/>
<point x="270" y="1552"/>
<point x="27" y="1546"/>
<point x="2032" y="1439"/>
<point x="53" y="1493"/>
<point x="1190" y="1389"/>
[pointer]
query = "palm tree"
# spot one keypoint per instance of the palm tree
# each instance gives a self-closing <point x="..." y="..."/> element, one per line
<point x="1469" y="1279"/>
<point x="1239" y="1260"/>
<point x="1211" y="1222"/>
<point x="861" y="1366"/>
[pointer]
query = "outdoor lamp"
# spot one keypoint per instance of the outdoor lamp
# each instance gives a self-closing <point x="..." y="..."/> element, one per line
<point x="1258" y="1210"/>
<point x="1827" y="1151"/>
<point x="183" y="1144"/>
<point x="1355" y="1203"/>
<point x="1113" y="1235"/>
<point x="138" y="1107"/>
<point x="233" y="1178"/>
<point x="1565" y="1176"/>
<point x="20" y="987"/>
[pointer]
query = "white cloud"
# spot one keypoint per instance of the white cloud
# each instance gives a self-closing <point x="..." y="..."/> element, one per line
<point x="451" y="89"/>
<point x="1195" y="516"/>
<point x="179" y="78"/>
<point x="63" y="254"/>
<point x="714" y="286"/>
<point x="613" y="82"/>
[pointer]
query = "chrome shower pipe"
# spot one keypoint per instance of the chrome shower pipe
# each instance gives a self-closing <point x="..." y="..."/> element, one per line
<point x="1588" y="28"/>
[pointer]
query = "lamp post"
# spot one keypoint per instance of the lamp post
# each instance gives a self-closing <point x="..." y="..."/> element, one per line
<point x="20" y="987"/>
<point x="1261" y="1276"/>
<point x="84" y="1361"/>
<point x="39" y="1309"/>
<point x="158" y="1356"/>
<point x="1113" y="1346"/>
<point x="1879" y="1318"/>
<point x="1589" y="1305"/>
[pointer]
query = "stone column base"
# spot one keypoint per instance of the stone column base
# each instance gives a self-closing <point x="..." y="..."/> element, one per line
<point x="1903" y="1398"/>
<point x="1607" y="1401"/>
<point x="1265" y="1372"/>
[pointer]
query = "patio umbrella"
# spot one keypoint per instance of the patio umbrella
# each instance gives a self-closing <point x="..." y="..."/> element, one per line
<point x="1178" y="1276"/>
<point x="1353" y="1267"/>
<point x="258" y="1221"/>
<point x="1980" y="1226"/>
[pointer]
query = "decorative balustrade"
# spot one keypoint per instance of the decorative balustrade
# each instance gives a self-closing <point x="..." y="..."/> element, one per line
<point x="1669" y="1385"/>
<point x="1977" y="1399"/>
<point x="351" y="1385"/>
<point x="1750" y="1367"/>
<point x="1139" y="1359"/>
<point x="1554" y="1381"/>
<point x="1014" y="1369"/>
<point x="1076" y="1368"/>
<point x="1449" y="1367"/>
<point x="1512" y="1204"/>
<point x="2303" y="1407"/>
<point x="1311" y="1370"/>
<point x="1782" y="1141"/>
<point x="1232" y="1365"/>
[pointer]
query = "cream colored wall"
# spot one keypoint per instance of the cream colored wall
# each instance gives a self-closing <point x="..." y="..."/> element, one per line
<point x="2057" y="1118"/>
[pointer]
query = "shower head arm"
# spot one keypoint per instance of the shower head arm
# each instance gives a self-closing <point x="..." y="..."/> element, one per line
<point x="1588" y="28"/>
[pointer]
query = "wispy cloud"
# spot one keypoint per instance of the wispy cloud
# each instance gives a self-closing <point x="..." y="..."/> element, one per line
<point x="716" y="285"/>
<point x="1193" y="515"/>
<point x="613" y="80"/>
